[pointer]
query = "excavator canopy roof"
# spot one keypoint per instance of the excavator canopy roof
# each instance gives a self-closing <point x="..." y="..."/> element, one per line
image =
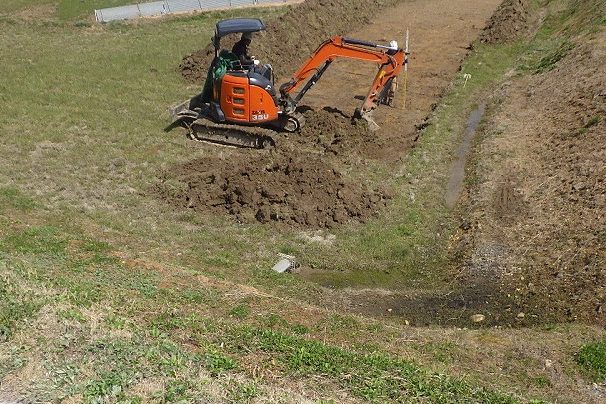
<point x="238" y="25"/>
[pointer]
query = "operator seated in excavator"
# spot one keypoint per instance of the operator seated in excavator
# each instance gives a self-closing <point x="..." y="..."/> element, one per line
<point x="236" y="60"/>
<point x="247" y="62"/>
<point x="240" y="49"/>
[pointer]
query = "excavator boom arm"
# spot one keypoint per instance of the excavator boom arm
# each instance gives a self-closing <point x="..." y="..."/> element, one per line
<point x="390" y="61"/>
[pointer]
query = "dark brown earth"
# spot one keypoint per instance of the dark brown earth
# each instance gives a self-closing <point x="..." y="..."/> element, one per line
<point x="330" y="133"/>
<point x="296" y="183"/>
<point x="291" y="38"/>
<point x="272" y="186"/>
<point x="539" y="211"/>
<point x="567" y="233"/>
<point x="509" y="21"/>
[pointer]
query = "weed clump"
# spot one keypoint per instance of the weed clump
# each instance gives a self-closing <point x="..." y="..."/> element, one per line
<point x="548" y="62"/>
<point x="592" y="358"/>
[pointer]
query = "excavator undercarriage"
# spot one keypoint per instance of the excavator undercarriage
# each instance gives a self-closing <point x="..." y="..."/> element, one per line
<point x="202" y="127"/>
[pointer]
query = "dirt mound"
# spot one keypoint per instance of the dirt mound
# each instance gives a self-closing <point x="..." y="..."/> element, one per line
<point x="570" y="249"/>
<point x="330" y="132"/>
<point x="270" y="187"/>
<point x="291" y="38"/>
<point x="508" y="22"/>
<point x="548" y="212"/>
<point x="296" y="183"/>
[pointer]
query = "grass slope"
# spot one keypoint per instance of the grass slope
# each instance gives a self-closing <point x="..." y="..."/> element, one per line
<point x="66" y="10"/>
<point x="102" y="326"/>
<point x="100" y="303"/>
<point x="110" y="295"/>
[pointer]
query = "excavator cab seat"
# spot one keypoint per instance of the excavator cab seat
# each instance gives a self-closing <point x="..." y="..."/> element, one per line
<point x="258" y="79"/>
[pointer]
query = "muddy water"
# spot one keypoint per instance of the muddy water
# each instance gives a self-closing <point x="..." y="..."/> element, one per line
<point x="457" y="171"/>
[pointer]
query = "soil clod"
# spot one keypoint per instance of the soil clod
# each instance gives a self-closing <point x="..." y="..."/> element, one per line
<point x="508" y="22"/>
<point x="273" y="187"/>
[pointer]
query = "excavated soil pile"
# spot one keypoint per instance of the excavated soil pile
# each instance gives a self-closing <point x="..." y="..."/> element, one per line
<point x="291" y="38"/>
<point x="330" y="133"/>
<point x="296" y="183"/>
<point x="508" y="22"/>
<point x="270" y="187"/>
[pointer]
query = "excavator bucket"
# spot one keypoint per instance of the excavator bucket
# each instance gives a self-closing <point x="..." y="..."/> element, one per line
<point x="386" y="97"/>
<point x="372" y="125"/>
<point x="367" y="116"/>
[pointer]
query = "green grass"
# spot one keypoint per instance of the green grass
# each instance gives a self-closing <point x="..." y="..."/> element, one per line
<point x="441" y="351"/>
<point x="66" y="10"/>
<point x="594" y="120"/>
<point x="592" y="358"/>
<point x="240" y="311"/>
<point x="84" y="246"/>
<point x="11" y="197"/>
<point x="122" y="363"/>
<point x="549" y="61"/>
<point x="244" y="392"/>
<point x="16" y="305"/>
<point x="72" y="9"/>
<point x="372" y="376"/>
<point x="8" y="6"/>
<point x="35" y="240"/>
<point x="79" y="274"/>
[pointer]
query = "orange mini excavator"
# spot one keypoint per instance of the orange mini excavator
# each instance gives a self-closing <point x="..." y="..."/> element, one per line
<point x="240" y="105"/>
